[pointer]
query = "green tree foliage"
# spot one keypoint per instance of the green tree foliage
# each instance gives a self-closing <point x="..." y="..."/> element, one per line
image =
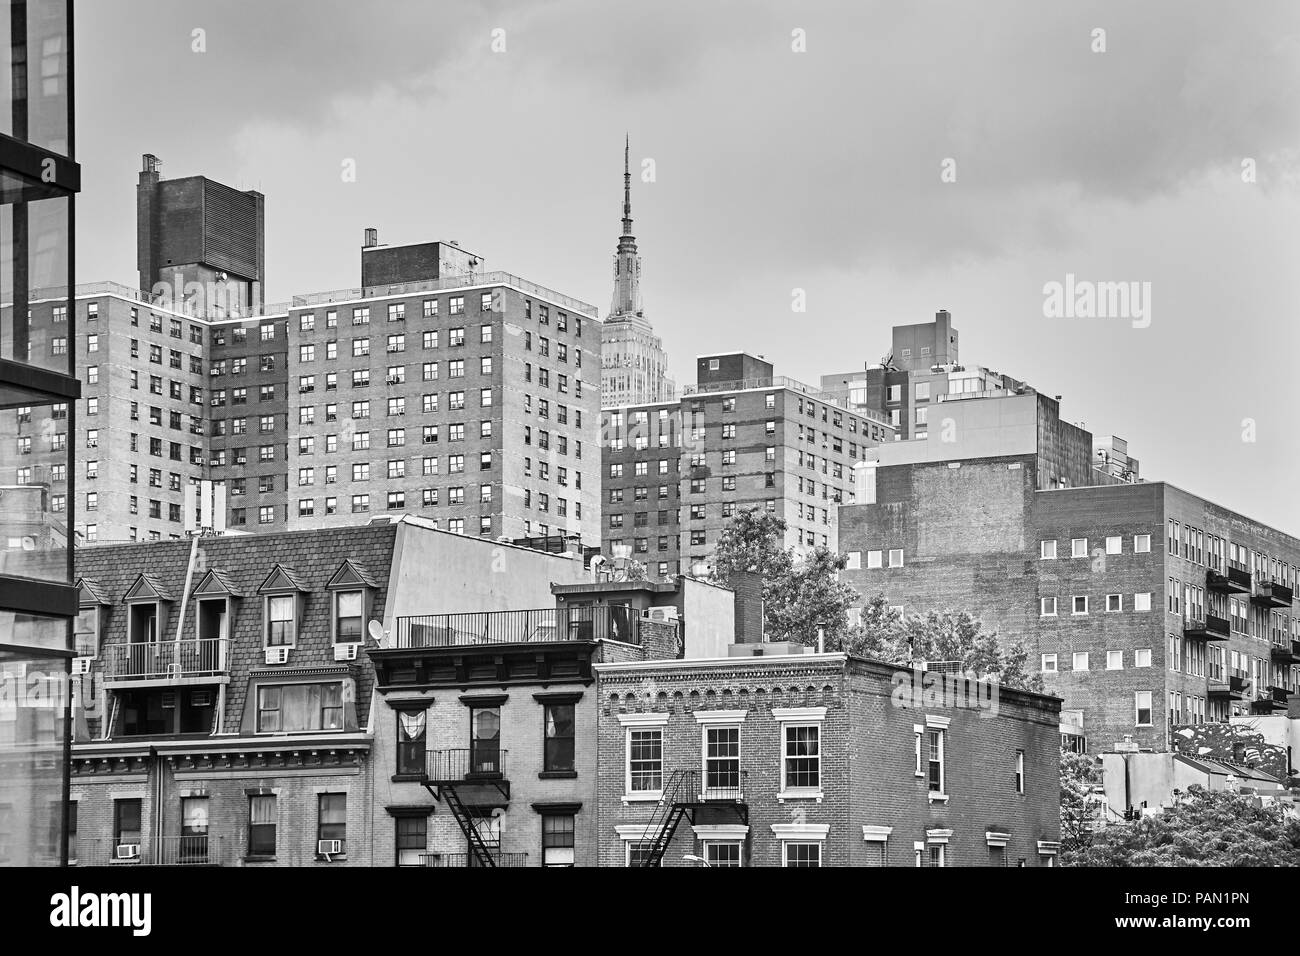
<point x="1203" y="828"/>
<point x="1080" y="773"/>
<point x="798" y="593"/>
<point x="884" y="634"/>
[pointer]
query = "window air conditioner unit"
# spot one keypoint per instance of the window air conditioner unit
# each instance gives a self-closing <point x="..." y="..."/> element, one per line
<point x="127" y="851"/>
<point x="329" y="848"/>
<point x="81" y="665"/>
<point x="661" y="614"/>
<point x="277" y="655"/>
<point x="346" y="652"/>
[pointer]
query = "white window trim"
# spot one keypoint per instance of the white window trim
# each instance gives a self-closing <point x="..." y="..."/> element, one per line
<point x="721" y="832"/>
<point x="631" y="833"/>
<point x="713" y="719"/>
<point x="1042" y="605"/>
<point x="994" y="838"/>
<point x="801" y="832"/>
<point x="918" y="738"/>
<point x="1085" y="548"/>
<point x="1056" y="664"/>
<point x="938" y="835"/>
<point x="632" y="722"/>
<point x="1118" y="609"/>
<point x="872" y="834"/>
<point x="1042" y="549"/>
<point x="799" y="717"/>
<point x="1048" y="847"/>
<point x="1086" y="603"/>
<point x="933" y="722"/>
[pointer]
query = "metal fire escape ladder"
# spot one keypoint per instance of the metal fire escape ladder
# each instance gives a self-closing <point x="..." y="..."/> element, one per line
<point x="668" y="813"/>
<point x="478" y="846"/>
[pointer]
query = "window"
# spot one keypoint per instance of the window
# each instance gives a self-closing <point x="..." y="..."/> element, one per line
<point x="721" y="758"/>
<point x="485" y="739"/>
<point x="1142" y="704"/>
<point x="332" y="819"/>
<point x="1141" y="544"/>
<point x="261" y="825"/>
<point x="801" y="854"/>
<point x="1078" y="547"/>
<point x="1114" y="544"/>
<point x="348" y="612"/>
<point x="559" y="725"/>
<point x="288" y="708"/>
<point x="874" y="559"/>
<point x="645" y="761"/>
<point x="1114" y="660"/>
<point x="722" y="853"/>
<point x="1080" y="661"/>
<point x="412" y="727"/>
<point x="801" y="757"/>
<point x="1142" y="657"/>
<point x="126" y="822"/>
<point x="557" y="839"/>
<point x="412" y="839"/>
<point x="1114" y="602"/>
<point x="1142" y="602"/>
<point x="935" y="741"/>
<point x="280" y="624"/>
<point x="896" y="557"/>
<point x="1047" y="607"/>
<point x="1080" y="605"/>
<point x="1048" y="664"/>
<point x="1020" y="771"/>
<point x="1047" y="550"/>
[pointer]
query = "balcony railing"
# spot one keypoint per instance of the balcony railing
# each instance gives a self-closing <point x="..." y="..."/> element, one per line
<point x="466" y="859"/>
<point x="1236" y="579"/>
<point x="1286" y="652"/>
<point x="1272" y="594"/>
<point x="1208" y="628"/>
<point x="614" y="623"/>
<point x="1278" y="695"/>
<point x="1234" y="686"/>
<point x="467" y="764"/>
<point x="721" y="785"/>
<point x="192" y="850"/>
<point x="163" y="660"/>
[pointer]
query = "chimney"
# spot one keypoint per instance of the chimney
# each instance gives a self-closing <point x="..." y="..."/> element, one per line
<point x="747" y="588"/>
<point x="372" y="238"/>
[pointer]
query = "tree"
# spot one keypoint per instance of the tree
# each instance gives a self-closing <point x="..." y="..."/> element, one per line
<point x="798" y="593"/>
<point x="884" y="634"/>
<point x="1080" y="773"/>
<point x="1202" y="828"/>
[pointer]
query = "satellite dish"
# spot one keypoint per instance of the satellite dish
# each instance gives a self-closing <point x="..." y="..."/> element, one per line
<point x="376" y="630"/>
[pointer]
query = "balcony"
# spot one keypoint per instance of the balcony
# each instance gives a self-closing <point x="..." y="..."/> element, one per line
<point x="1209" y="628"/>
<point x="1272" y="594"/>
<point x="546" y="625"/>
<point x="1279" y="696"/>
<point x="176" y="662"/>
<point x="1235" y="581"/>
<point x="200" y="850"/>
<point x="1234" y="688"/>
<point x="1286" y="652"/>
<point x="465" y="765"/>
<point x="467" y="859"/>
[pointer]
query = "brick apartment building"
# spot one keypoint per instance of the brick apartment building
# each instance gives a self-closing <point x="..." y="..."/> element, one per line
<point x="807" y="759"/>
<point x="1144" y="606"/>
<point x="222" y="698"/>
<point x="493" y="752"/>
<point x="676" y="472"/>
<point x="434" y="388"/>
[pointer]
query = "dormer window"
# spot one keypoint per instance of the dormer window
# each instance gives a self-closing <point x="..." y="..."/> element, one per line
<point x="348" y="612"/>
<point x="146" y="602"/>
<point x="281" y="623"/>
<point x="351" y="589"/>
<point x="89" y="624"/>
<point x="283" y="597"/>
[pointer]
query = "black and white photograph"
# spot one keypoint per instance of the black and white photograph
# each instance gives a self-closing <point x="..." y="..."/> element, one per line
<point x="512" y="434"/>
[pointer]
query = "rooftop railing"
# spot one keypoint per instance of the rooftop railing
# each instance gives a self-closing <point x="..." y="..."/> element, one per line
<point x="781" y="381"/>
<point x="441" y="285"/>
<point x="614" y="623"/>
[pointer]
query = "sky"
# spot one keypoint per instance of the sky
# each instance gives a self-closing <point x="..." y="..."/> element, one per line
<point x="868" y="162"/>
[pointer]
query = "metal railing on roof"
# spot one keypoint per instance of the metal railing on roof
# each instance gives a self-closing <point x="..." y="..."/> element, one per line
<point x="441" y="285"/>
<point x="782" y="381"/>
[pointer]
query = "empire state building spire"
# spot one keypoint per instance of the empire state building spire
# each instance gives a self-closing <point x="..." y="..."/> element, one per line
<point x="627" y="264"/>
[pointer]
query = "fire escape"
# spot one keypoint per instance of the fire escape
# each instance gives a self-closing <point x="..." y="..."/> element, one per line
<point x="682" y="798"/>
<point x="466" y="778"/>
